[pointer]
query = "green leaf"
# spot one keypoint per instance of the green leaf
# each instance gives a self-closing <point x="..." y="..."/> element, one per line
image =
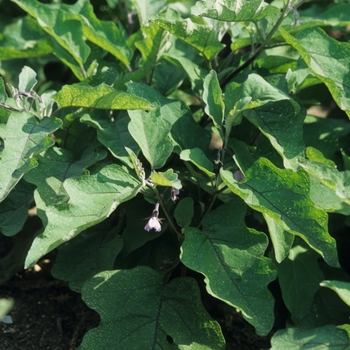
<point x="284" y="196"/>
<point x="169" y="178"/>
<point x="151" y="47"/>
<point x="260" y="91"/>
<point x="199" y="159"/>
<point x="23" y="137"/>
<point x="151" y="133"/>
<point x="113" y="134"/>
<point x="299" y="277"/>
<point x="201" y="37"/>
<point x="184" y="212"/>
<point x="341" y="288"/>
<point x="92" y="199"/>
<point x="327" y="337"/>
<point x="99" y="97"/>
<point x="185" y="131"/>
<point x="212" y="96"/>
<point x="281" y="239"/>
<point x="233" y="11"/>
<point x="279" y="122"/>
<point x="105" y="34"/>
<point x="148" y="311"/>
<point x="24" y="38"/>
<point x="14" y="209"/>
<point x="65" y="28"/>
<point x="327" y="59"/>
<point x="231" y="257"/>
<point x="54" y="167"/>
<point x="146" y="9"/>
<point x="98" y="248"/>
<point x="334" y="195"/>
<point x="185" y="56"/>
<point x="27" y="80"/>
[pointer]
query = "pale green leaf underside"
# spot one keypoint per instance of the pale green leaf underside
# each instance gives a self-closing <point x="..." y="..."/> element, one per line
<point x="92" y="199"/>
<point x="284" y="196"/>
<point x="136" y="308"/>
<point x="231" y="257"/>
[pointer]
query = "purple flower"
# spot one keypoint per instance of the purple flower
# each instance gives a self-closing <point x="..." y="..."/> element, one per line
<point x="153" y="223"/>
<point x="238" y="175"/>
<point x="174" y="193"/>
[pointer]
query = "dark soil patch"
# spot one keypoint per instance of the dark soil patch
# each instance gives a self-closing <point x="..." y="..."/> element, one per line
<point x="48" y="315"/>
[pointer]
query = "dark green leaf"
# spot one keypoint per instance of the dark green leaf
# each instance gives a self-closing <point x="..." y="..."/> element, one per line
<point x="284" y="196"/>
<point x="138" y="309"/>
<point x="231" y="257"/>
<point x="299" y="277"/>
<point x="234" y="11"/>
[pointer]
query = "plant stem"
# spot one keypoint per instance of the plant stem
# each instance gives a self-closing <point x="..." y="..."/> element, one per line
<point x="261" y="48"/>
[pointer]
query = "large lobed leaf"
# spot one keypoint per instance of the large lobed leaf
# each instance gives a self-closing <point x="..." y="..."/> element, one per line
<point x="327" y="58"/>
<point x="139" y="311"/>
<point x="54" y="167"/>
<point x="231" y="257"/>
<point x="284" y="196"/>
<point x="92" y="199"/>
<point x="23" y="137"/>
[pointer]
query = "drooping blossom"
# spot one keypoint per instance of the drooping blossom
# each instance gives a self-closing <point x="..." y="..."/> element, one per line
<point x="174" y="193"/>
<point x="153" y="224"/>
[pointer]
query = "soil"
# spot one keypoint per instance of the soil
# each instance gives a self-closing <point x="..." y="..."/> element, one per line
<point x="48" y="315"/>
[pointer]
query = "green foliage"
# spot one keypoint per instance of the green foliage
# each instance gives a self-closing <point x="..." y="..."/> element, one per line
<point x="178" y="141"/>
